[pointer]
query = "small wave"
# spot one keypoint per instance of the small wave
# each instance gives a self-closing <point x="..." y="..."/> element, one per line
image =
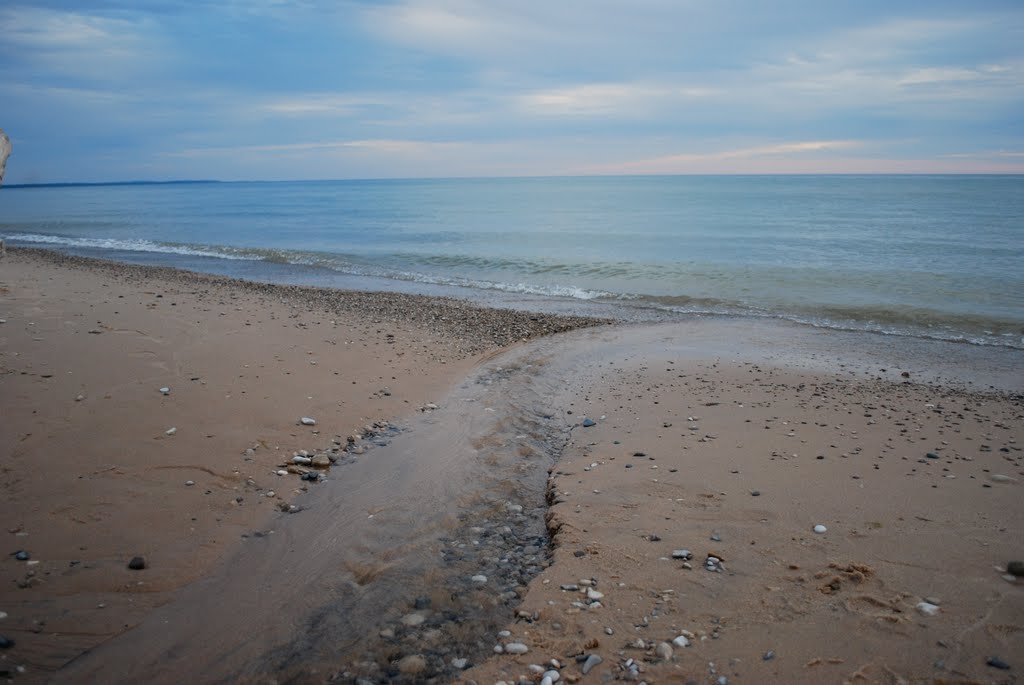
<point x="121" y="245"/>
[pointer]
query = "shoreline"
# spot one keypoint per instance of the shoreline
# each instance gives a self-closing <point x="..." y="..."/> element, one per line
<point x="689" y="395"/>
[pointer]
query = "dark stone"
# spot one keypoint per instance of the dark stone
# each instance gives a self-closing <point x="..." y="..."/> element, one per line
<point x="996" y="662"/>
<point x="905" y="374"/>
<point x="422" y="603"/>
<point x="769" y="655"/>
<point x="1015" y="568"/>
<point x="587" y="423"/>
<point x="932" y="455"/>
<point x="6" y="642"/>
<point x="755" y="493"/>
<point x="137" y="563"/>
<point x="654" y="538"/>
<point x="579" y="553"/>
<point x="21" y="555"/>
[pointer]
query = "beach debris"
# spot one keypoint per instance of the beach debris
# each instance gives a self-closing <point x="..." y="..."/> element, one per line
<point x="587" y="423"/>
<point x="819" y="529"/>
<point x="307" y="421"/>
<point x="165" y="391"/>
<point x="996" y="662"/>
<point x="590" y="662"/>
<point x="1015" y="568"/>
<point x="137" y="563"/>
<point x="927" y="609"/>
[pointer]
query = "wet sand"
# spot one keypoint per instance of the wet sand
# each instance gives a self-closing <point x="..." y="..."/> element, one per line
<point x="413" y="555"/>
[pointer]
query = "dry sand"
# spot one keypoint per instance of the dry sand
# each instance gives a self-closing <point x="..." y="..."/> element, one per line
<point x="706" y="437"/>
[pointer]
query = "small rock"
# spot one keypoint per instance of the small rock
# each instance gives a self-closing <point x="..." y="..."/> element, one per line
<point x="768" y="656"/>
<point x="664" y="651"/>
<point x="682" y="554"/>
<point x="137" y="563"/>
<point x="715" y="537"/>
<point x="479" y="579"/>
<point x="820" y="529"/>
<point x="755" y="493"/>
<point x="927" y="609"/>
<point x="591" y="661"/>
<point x="996" y="662"/>
<point x="681" y="641"/>
<point x="22" y="555"/>
<point x="460" y="663"/>
<point x="165" y="391"/>
<point x="1015" y="568"/>
<point x="413" y="620"/>
<point x="516" y="648"/>
<point x="307" y="421"/>
<point x="6" y="642"/>
<point x="1000" y="478"/>
<point x="171" y="431"/>
<point x="587" y="423"/>
<point x="413" y="664"/>
<point x="190" y="482"/>
<point x="932" y="455"/>
<point x="554" y="675"/>
<point x="422" y="603"/>
<point x="594" y="595"/>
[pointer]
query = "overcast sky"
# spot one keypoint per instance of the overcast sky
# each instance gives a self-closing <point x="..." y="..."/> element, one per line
<point x="305" y="89"/>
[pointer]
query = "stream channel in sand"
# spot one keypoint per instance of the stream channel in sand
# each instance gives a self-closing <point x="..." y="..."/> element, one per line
<point x="380" y="562"/>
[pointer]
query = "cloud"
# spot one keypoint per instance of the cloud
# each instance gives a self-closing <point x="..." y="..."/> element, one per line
<point x="77" y="44"/>
<point x="398" y="147"/>
<point x="706" y="161"/>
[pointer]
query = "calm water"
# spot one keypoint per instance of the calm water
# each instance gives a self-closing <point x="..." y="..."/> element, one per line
<point x="930" y="256"/>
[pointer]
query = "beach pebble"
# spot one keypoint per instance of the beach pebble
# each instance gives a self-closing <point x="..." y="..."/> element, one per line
<point x="6" y="642"/>
<point x="413" y="620"/>
<point x="299" y="459"/>
<point x="590" y="662"/>
<point x="664" y="651"/>
<point x="137" y="563"/>
<point x="996" y="662"/>
<point x="593" y="594"/>
<point x="165" y="391"/>
<point x="460" y="663"/>
<point x="413" y="664"/>
<point x="820" y="529"/>
<point x="682" y="554"/>
<point x="1000" y="478"/>
<point x="479" y="579"/>
<point x="768" y="656"/>
<point x="21" y="555"/>
<point x="171" y="431"/>
<point x="681" y="641"/>
<point x="1015" y="568"/>
<point x="927" y="609"/>
<point x="587" y="423"/>
<point x="307" y="421"/>
<point x="554" y="675"/>
<point x="190" y="482"/>
<point x="516" y="648"/>
<point x="281" y="472"/>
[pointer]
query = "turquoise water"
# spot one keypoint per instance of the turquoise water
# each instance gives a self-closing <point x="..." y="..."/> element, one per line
<point x="929" y="256"/>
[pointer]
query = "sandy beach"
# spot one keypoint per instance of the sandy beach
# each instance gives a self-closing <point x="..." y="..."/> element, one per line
<point x="490" y="495"/>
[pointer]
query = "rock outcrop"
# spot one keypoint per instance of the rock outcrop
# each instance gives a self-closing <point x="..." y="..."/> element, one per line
<point x="5" y="152"/>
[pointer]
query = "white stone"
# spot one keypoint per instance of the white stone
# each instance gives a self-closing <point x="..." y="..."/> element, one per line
<point x="820" y="529"/>
<point x="479" y="579"/>
<point x="190" y="482"/>
<point x="681" y="554"/>
<point x="306" y="421"/>
<point x="171" y="431"/>
<point x="460" y="663"/>
<point x="681" y="641"/>
<point x="594" y="594"/>
<point x="664" y="651"/>
<point x="413" y="620"/>
<point x="297" y="459"/>
<point x="165" y="391"/>
<point x="516" y="648"/>
<point x="281" y="472"/>
<point x="553" y="674"/>
<point x="927" y="608"/>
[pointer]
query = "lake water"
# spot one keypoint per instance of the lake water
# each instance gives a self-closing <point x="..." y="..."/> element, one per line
<point x="924" y="256"/>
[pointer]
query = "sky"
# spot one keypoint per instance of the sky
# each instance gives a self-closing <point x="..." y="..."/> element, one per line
<point x="114" y="90"/>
